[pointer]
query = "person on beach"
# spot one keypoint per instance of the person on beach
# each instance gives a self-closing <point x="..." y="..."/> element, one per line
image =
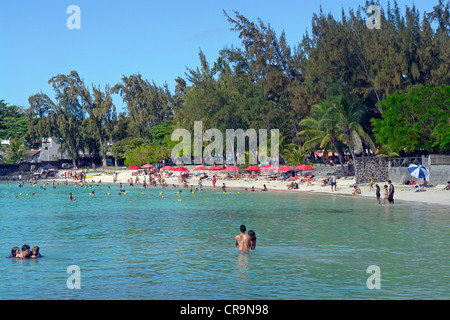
<point x="391" y="192"/>
<point x="333" y="182"/>
<point x="214" y="182"/>
<point x="15" y="252"/>
<point x="264" y="189"/>
<point x="356" y="191"/>
<point x="378" y="193"/>
<point x="386" y="194"/>
<point x="243" y="240"/>
<point x="448" y="186"/>
<point x="252" y="235"/>
<point x="371" y="183"/>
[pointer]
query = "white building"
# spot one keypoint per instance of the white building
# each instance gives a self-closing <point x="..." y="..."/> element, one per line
<point x="48" y="149"/>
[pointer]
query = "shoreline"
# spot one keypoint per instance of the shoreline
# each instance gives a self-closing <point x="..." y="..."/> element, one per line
<point x="404" y="193"/>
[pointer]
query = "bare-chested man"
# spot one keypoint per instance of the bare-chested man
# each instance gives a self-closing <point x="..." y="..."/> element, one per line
<point x="243" y="240"/>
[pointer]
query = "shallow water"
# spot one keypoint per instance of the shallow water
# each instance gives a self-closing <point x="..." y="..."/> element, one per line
<point x="142" y="246"/>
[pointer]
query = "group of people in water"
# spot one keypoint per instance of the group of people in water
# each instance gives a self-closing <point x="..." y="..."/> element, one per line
<point x="26" y="252"/>
<point x="245" y="242"/>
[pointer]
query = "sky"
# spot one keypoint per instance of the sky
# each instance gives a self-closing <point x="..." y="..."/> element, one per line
<point x="157" y="39"/>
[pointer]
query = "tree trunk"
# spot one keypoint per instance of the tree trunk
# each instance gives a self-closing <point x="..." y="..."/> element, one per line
<point x="341" y="158"/>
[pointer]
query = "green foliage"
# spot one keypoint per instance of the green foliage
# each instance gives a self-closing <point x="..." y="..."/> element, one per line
<point x="13" y="124"/>
<point x="146" y="154"/>
<point x="415" y="119"/>
<point x="121" y="148"/>
<point x="147" y="104"/>
<point x="295" y="155"/>
<point x="15" y="151"/>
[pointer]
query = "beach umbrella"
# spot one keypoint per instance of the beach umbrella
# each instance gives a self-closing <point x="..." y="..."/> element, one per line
<point x="284" y="168"/>
<point x="418" y="171"/>
<point x="180" y="169"/>
<point x="253" y="168"/>
<point x="200" y="168"/>
<point x="215" y="168"/>
<point x="167" y="168"/>
<point x="303" y="167"/>
<point x="147" y="166"/>
<point x="268" y="167"/>
<point x="232" y="168"/>
<point x="133" y="168"/>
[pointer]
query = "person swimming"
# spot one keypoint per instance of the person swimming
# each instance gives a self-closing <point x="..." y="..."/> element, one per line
<point x="25" y="252"/>
<point x="71" y="197"/>
<point x="15" y="252"/>
<point x="35" y="253"/>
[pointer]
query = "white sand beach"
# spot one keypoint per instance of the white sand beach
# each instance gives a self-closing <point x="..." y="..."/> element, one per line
<point x="433" y="195"/>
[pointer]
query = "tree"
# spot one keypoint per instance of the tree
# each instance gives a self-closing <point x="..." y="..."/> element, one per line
<point x="323" y="130"/>
<point x="122" y="147"/>
<point x="98" y="105"/>
<point x="146" y="154"/>
<point x="295" y="155"/>
<point x="13" y="123"/>
<point x="62" y="119"/>
<point x="417" y="118"/>
<point x="349" y="115"/>
<point x="147" y="104"/>
<point x="15" y="151"/>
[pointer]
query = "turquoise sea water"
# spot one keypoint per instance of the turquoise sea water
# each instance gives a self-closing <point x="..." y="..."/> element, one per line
<point x="142" y="246"/>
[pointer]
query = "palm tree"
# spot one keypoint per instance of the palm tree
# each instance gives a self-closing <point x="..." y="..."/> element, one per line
<point x="349" y="115"/>
<point x="15" y="152"/>
<point x="323" y="130"/>
<point x="294" y="155"/>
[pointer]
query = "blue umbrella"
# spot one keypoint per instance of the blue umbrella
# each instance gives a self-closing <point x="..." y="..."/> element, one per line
<point x="418" y="171"/>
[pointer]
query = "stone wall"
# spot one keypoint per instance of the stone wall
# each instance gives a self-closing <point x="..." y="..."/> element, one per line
<point x="365" y="167"/>
<point x="384" y="169"/>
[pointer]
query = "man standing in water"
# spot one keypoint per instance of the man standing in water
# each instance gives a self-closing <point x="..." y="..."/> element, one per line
<point x="391" y="192"/>
<point x="243" y="240"/>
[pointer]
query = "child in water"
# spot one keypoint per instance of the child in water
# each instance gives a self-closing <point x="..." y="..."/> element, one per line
<point x="386" y="194"/>
<point x="35" y="253"/>
<point x="15" y="252"/>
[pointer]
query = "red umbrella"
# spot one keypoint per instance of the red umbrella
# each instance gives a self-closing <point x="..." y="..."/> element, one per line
<point x="215" y="168"/>
<point x="180" y="169"/>
<point x="232" y="168"/>
<point x="148" y="165"/>
<point x="303" y="167"/>
<point x="133" y="168"/>
<point x="167" y="168"/>
<point x="268" y="167"/>
<point x="284" y="168"/>
<point x="253" y="168"/>
<point x="200" y="168"/>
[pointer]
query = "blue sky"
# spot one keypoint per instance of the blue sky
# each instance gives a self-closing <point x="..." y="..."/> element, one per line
<point x="157" y="39"/>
